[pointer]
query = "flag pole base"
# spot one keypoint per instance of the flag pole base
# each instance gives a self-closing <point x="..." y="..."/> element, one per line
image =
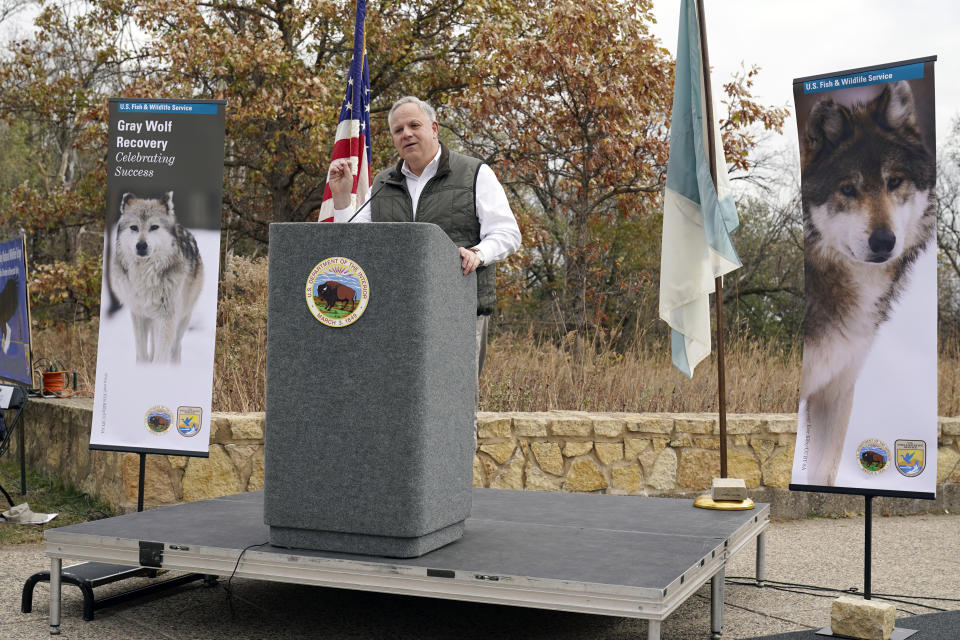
<point x="707" y="502"/>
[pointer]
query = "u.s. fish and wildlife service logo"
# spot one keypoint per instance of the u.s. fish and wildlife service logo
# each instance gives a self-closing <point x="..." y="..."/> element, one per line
<point x="873" y="456"/>
<point x="188" y="421"/>
<point x="337" y="292"/>
<point x="911" y="457"/>
<point x="158" y="419"/>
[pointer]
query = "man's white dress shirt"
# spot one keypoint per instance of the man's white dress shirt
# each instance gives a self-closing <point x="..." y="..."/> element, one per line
<point x="499" y="233"/>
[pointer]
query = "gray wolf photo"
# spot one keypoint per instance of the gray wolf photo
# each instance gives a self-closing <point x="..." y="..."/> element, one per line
<point x="157" y="273"/>
<point x="869" y="211"/>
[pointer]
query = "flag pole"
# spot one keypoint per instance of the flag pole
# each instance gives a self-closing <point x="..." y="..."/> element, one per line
<point x="718" y="281"/>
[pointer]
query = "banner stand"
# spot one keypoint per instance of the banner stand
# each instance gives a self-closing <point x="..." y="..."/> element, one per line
<point x="867" y="544"/>
<point x="899" y="633"/>
<point x="164" y="175"/>
<point x="17" y="399"/>
<point x="22" y="444"/>
<point x="866" y="425"/>
<point x="143" y="473"/>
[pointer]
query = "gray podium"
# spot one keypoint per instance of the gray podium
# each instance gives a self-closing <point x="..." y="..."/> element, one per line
<point x="369" y="427"/>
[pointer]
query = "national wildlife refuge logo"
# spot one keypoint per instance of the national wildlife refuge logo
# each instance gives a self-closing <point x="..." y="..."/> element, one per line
<point x="911" y="457"/>
<point x="337" y="292"/>
<point x="188" y="421"/>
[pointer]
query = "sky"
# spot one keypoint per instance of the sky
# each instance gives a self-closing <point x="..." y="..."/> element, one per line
<point x="790" y="40"/>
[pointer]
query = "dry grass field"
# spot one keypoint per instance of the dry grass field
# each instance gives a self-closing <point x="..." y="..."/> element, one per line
<point x="523" y="374"/>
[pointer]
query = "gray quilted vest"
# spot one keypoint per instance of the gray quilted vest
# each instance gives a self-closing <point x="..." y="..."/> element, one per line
<point x="448" y="201"/>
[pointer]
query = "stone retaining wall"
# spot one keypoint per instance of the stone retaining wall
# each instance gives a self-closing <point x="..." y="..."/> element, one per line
<point x="616" y="453"/>
<point x="648" y="454"/>
<point x="58" y="435"/>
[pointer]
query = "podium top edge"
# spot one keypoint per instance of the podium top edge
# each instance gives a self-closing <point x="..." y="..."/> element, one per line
<point x="409" y="229"/>
<point x="358" y="225"/>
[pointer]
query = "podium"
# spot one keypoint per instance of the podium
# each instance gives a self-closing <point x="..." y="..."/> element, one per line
<point x="369" y="437"/>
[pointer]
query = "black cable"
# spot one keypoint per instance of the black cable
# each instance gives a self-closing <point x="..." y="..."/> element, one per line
<point x="912" y="604"/>
<point x="759" y="613"/>
<point x="226" y="587"/>
<point x="805" y="589"/>
<point x="897" y="595"/>
<point x="751" y="580"/>
<point x="829" y="593"/>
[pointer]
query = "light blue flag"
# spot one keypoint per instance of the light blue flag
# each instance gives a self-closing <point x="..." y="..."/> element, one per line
<point x="697" y="217"/>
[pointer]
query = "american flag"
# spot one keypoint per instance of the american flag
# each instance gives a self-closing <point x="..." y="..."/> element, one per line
<point x="353" y="129"/>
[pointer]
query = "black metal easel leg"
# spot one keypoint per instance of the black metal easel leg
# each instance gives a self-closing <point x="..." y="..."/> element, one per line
<point x="21" y="441"/>
<point x="143" y="471"/>
<point x="899" y="633"/>
<point x="868" y="545"/>
<point x="7" y="496"/>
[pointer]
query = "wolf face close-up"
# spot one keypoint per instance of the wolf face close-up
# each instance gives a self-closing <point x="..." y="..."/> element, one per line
<point x="869" y="211"/>
<point x="157" y="273"/>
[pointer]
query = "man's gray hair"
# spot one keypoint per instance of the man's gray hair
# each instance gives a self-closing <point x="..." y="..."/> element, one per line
<point x="426" y="108"/>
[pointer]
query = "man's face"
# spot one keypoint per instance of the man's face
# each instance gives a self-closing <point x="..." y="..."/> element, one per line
<point x="414" y="136"/>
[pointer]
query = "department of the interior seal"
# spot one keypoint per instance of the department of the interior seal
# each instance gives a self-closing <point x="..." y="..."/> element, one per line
<point x="337" y="292"/>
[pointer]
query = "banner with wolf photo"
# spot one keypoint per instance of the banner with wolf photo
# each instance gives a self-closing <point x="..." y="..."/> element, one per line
<point x="868" y="391"/>
<point x="158" y="305"/>
<point x="14" y="313"/>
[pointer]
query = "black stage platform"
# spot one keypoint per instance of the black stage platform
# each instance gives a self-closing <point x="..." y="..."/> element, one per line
<point x="610" y="555"/>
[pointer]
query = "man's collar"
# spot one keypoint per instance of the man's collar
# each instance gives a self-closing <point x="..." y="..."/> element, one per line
<point x="405" y="170"/>
<point x="443" y="165"/>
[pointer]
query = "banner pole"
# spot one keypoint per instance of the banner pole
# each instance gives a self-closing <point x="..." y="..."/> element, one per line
<point x="718" y="282"/>
<point x="868" y="544"/>
<point x="22" y="444"/>
<point x="143" y="473"/>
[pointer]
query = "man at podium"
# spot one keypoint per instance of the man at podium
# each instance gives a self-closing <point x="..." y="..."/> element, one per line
<point x="432" y="183"/>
